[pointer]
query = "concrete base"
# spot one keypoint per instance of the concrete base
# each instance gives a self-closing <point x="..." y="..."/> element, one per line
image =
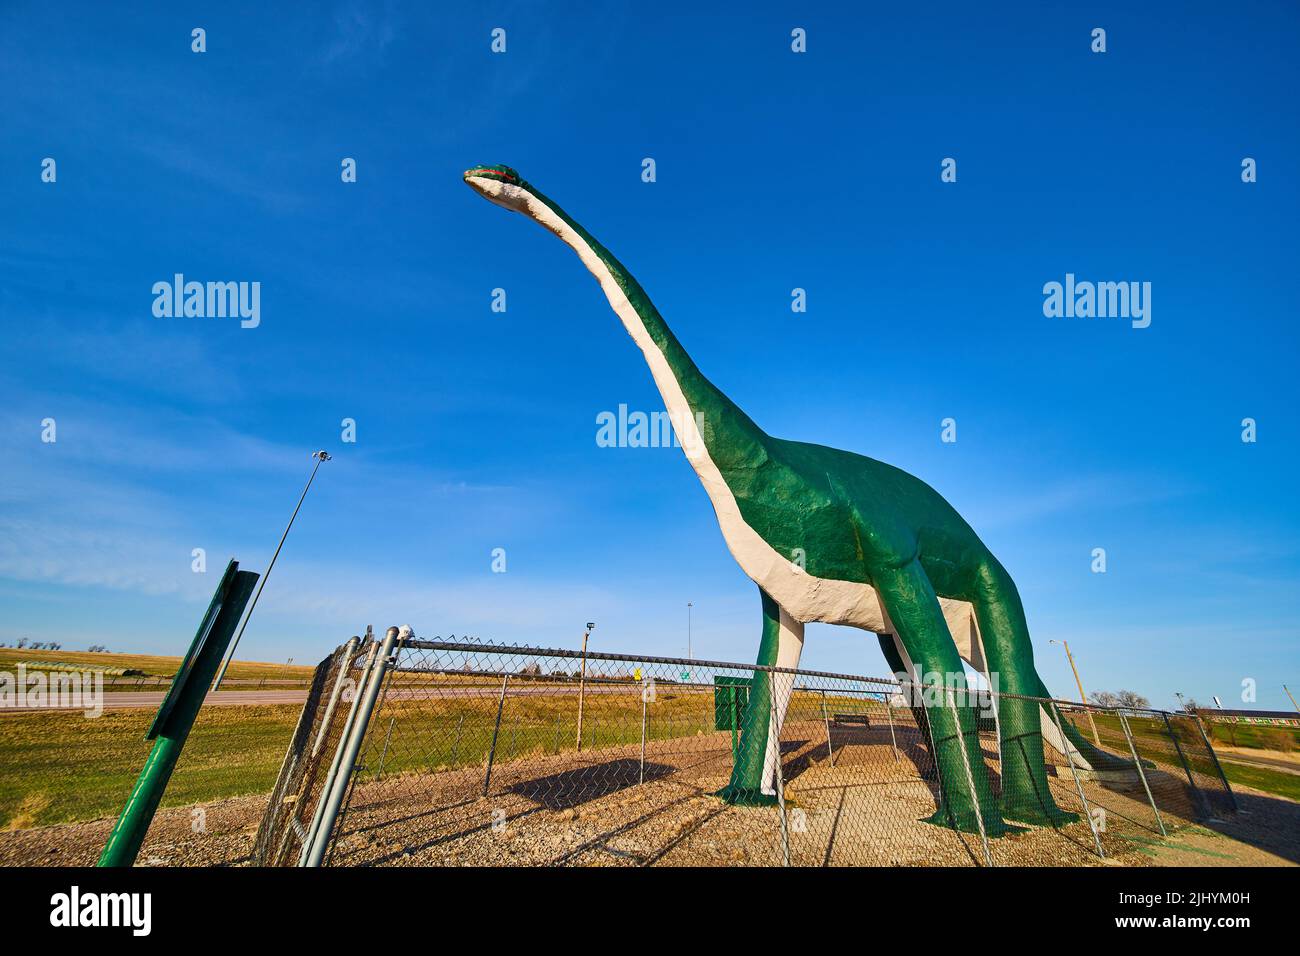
<point x="1114" y="779"/>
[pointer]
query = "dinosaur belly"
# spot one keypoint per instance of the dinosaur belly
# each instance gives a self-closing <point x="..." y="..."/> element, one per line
<point x="810" y="599"/>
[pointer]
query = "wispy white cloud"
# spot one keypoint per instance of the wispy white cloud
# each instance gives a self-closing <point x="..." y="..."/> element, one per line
<point x="124" y="495"/>
<point x="1002" y="509"/>
<point x="189" y="152"/>
<point x="359" y="29"/>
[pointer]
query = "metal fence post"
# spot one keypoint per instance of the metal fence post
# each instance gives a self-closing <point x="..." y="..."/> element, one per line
<point x="492" y="750"/>
<point x="290" y="763"/>
<point x="1187" y="768"/>
<point x="352" y="747"/>
<point x="582" y="688"/>
<point x="1123" y="722"/>
<point x="970" y="777"/>
<point x="1217" y="766"/>
<point x="342" y="660"/>
<point x="391" y="664"/>
<point x="780" y="780"/>
<point x="734" y="720"/>
<point x="893" y="740"/>
<point x="826" y="718"/>
<point x="348" y="650"/>
<point x="335" y="762"/>
<point x="643" y="719"/>
<point x="1078" y="786"/>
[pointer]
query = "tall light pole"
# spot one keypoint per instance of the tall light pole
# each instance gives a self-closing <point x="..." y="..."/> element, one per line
<point x="1083" y="698"/>
<point x="582" y="681"/>
<point x="1293" y="703"/>
<point x="319" y="456"/>
<point x="689" y="655"/>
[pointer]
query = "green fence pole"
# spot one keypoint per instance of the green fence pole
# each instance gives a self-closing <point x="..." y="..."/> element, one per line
<point x="176" y="715"/>
<point x="735" y="725"/>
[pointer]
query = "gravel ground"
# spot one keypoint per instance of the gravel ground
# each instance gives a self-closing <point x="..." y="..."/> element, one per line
<point x="217" y="833"/>
<point x="592" y="809"/>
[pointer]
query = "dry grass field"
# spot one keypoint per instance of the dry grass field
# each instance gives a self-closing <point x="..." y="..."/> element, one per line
<point x="154" y="667"/>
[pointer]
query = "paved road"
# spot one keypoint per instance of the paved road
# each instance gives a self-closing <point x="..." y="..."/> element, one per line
<point x="119" y="700"/>
<point x="123" y="700"/>
<point x="1257" y="760"/>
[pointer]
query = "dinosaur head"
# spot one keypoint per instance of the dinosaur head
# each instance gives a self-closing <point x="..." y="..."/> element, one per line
<point x="500" y="184"/>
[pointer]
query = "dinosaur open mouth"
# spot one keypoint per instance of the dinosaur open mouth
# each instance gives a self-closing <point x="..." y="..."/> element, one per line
<point x="493" y="172"/>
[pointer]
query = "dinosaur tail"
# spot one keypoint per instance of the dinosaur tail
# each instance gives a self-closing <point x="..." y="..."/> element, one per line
<point x="1097" y="758"/>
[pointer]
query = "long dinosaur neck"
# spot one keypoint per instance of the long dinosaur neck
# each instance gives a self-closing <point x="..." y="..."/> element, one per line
<point x="730" y="436"/>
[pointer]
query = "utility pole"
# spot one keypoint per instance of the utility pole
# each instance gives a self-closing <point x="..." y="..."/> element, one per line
<point x="1083" y="698"/>
<point x="319" y="456"/>
<point x="582" y="682"/>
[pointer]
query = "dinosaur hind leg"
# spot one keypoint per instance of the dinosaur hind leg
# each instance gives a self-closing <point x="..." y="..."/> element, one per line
<point x="753" y="776"/>
<point x="914" y="611"/>
<point x="1025" y="794"/>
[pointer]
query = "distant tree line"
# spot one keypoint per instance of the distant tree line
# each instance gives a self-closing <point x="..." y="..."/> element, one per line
<point x="31" y="645"/>
<point x="1126" y="699"/>
<point x="28" y="644"/>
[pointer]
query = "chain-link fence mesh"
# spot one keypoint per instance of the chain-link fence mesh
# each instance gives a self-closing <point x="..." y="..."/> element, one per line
<point x="1185" y="775"/>
<point x="484" y="755"/>
<point x="314" y="754"/>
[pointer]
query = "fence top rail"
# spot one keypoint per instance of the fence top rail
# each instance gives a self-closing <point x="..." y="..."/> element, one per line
<point x="591" y="678"/>
<point x="511" y="650"/>
<point x="520" y="650"/>
<point x="517" y="650"/>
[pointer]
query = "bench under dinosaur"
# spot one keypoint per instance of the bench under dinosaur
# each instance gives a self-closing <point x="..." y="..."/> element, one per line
<point x="835" y="537"/>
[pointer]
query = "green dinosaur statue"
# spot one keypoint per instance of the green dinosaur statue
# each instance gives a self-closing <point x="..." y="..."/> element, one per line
<point x="836" y="537"/>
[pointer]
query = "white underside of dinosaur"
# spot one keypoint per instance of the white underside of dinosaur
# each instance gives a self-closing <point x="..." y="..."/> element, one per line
<point x="802" y="597"/>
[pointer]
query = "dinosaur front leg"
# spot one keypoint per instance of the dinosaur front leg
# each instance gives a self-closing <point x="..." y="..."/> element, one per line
<point x="1025" y="794"/>
<point x="753" y="777"/>
<point x="914" y="610"/>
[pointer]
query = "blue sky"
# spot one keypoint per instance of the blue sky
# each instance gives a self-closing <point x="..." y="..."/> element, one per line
<point x="775" y="170"/>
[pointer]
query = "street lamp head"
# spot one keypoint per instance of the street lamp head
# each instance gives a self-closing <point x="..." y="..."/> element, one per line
<point x="590" y="626"/>
<point x="323" y="455"/>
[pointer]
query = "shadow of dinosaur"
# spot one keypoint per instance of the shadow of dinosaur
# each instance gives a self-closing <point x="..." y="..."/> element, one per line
<point x="836" y="537"/>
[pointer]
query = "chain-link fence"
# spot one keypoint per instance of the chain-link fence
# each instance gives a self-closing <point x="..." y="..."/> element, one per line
<point x="478" y="754"/>
<point x="315" y="756"/>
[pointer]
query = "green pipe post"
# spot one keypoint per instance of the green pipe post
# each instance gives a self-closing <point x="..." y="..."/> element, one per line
<point x="735" y="724"/>
<point x="176" y="715"/>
